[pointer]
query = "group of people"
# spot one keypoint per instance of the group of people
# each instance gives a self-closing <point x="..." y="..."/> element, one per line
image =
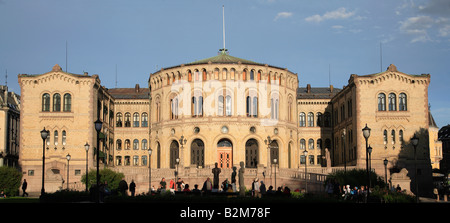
<point x="346" y="192"/>
<point x="259" y="189"/>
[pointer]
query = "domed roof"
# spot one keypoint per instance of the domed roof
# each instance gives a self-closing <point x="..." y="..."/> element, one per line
<point x="224" y="58"/>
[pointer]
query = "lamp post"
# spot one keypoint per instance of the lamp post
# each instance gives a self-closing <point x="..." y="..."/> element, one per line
<point x="98" y="126"/>
<point x="343" y="147"/>
<point x="305" y="153"/>
<point x="68" y="172"/>
<point x="366" y="134"/>
<point x="177" y="161"/>
<point x="149" y="171"/>
<point x="385" y="162"/>
<point x="275" y="163"/>
<point x="44" y="135"/>
<point x="369" y="150"/>
<point x="415" y="142"/>
<point x="86" y="147"/>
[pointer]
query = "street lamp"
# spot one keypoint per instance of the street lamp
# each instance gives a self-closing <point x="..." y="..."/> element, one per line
<point x="415" y="142"/>
<point x="305" y="153"/>
<point x="44" y="135"/>
<point x="177" y="161"/>
<point x="149" y="171"/>
<point x="385" y="162"/>
<point x="68" y="159"/>
<point x="86" y="147"/>
<point x="275" y="163"/>
<point x="369" y="150"/>
<point x="98" y="126"/>
<point x="366" y="134"/>
<point x="343" y="145"/>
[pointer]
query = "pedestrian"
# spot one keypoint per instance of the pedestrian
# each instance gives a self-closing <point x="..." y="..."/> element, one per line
<point x="207" y="186"/>
<point x="2" y="194"/>
<point x="123" y="187"/>
<point x="162" y="185"/>
<point x="24" y="187"/>
<point x="436" y="193"/>
<point x="196" y="191"/>
<point x="257" y="188"/>
<point x="179" y="184"/>
<point x="132" y="188"/>
<point x="262" y="188"/>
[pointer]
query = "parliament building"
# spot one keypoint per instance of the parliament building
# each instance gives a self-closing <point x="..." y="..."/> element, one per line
<point x="223" y="110"/>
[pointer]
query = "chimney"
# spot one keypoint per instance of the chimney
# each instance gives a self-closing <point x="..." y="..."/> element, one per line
<point x="136" y="88"/>
<point x="331" y="88"/>
<point x="308" y="88"/>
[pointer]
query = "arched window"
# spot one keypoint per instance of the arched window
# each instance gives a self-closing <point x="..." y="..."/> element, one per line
<point x="144" y="120"/>
<point x="310" y="119"/>
<point x="189" y="75"/>
<point x="136" y="119"/>
<point x="197" y="152"/>
<point x="252" y="75"/>
<point x="392" y="102"/>
<point x="251" y="153"/>
<point x="174" y="107"/>
<point x="56" y="102"/>
<point x="402" y="102"/>
<point x="45" y="102"/>
<point x="144" y="144"/>
<point x="64" y="137"/>
<point x="67" y="102"/>
<point x="327" y="120"/>
<point x="381" y="102"/>
<point x="393" y="137"/>
<point x="197" y="105"/>
<point x="127" y="144"/>
<point x="319" y="119"/>
<point x="400" y="137"/>
<point x="127" y="119"/>
<point x="144" y="160"/>
<point x="302" y="144"/>
<point x="55" y="137"/>
<point x="385" y="137"/>
<point x="119" y="119"/>
<point x="302" y="119"/>
<point x="232" y="72"/>
<point x="135" y="144"/>
<point x="220" y="106"/>
<point x="311" y="144"/>
<point x="119" y="144"/>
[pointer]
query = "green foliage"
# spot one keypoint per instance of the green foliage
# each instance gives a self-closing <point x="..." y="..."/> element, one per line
<point x="111" y="177"/>
<point x="355" y="177"/>
<point x="10" y="180"/>
<point x="64" y="196"/>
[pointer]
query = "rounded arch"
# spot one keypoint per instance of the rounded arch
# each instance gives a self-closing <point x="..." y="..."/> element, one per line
<point x="225" y="153"/>
<point x="251" y="153"/>
<point x="198" y="152"/>
<point x="174" y="153"/>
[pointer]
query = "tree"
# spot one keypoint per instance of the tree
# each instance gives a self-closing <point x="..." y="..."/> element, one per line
<point x="111" y="177"/>
<point x="10" y="179"/>
<point x="355" y="177"/>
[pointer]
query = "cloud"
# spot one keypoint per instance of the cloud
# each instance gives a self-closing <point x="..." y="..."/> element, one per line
<point x="417" y="27"/>
<point x="436" y="7"/>
<point x="283" y="15"/>
<point x="340" y="13"/>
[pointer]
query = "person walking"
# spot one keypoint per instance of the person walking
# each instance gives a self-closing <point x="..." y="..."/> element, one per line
<point x="257" y="188"/>
<point x="24" y="187"/>
<point x="132" y="188"/>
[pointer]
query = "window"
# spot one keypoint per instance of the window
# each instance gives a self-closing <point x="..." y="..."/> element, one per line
<point x="228" y="105"/>
<point x="400" y="137"/>
<point x="252" y="75"/>
<point x="135" y="144"/>
<point x="327" y="119"/>
<point x="118" y="160"/>
<point x="127" y="119"/>
<point x="197" y="105"/>
<point x="45" y="102"/>
<point x="136" y="119"/>
<point x="319" y="119"/>
<point x="144" y="120"/>
<point x="381" y="102"/>
<point x="402" y="102"/>
<point x="127" y="144"/>
<point x="135" y="160"/>
<point x="119" y="120"/>
<point x="144" y="160"/>
<point x="385" y="137"/>
<point x="64" y="137"/>
<point x="67" y="102"/>
<point x="144" y="144"/>
<point x="220" y="108"/>
<point x="252" y="105"/>
<point x="56" y="102"/>
<point x="311" y="144"/>
<point x="55" y="137"/>
<point x="392" y="102"/>
<point x="119" y="144"/>
<point x="302" y="120"/>
<point x="174" y="107"/>
<point x="302" y="144"/>
<point x="310" y="119"/>
<point x="189" y="75"/>
<point x="393" y="137"/>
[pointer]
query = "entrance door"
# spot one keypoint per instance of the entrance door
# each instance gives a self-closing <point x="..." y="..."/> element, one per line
<point x="224" y="154"/>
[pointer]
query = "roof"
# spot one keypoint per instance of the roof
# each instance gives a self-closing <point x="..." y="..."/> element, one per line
<point x="223" y="57"/>
<point x="317" y="93"/>
<point x="444" y="133"/>
<point x="129" y="93"/>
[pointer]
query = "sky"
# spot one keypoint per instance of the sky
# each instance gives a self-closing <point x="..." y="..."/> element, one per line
<point x="324" y="42"/>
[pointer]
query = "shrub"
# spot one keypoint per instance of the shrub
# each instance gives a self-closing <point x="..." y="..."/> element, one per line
<point x="355" y="177"/>
<point x="111" y="177"/>
<point x="10" y="179"/>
